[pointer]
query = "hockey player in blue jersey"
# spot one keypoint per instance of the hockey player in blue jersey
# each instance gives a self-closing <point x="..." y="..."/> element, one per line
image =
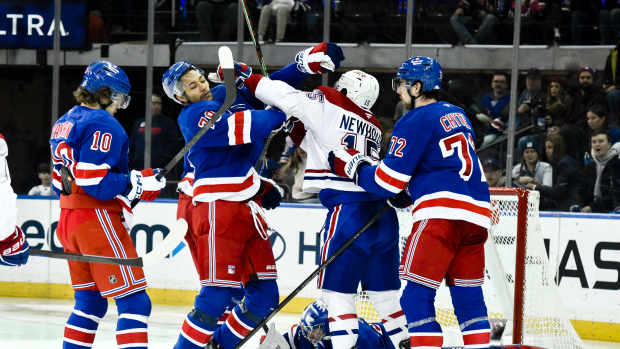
<point x="90" y="154"/>
<point x="313" y="332"/>
<point x="432" y="158"/>
<point x="332" y="117"/>
<point x="228" y="228"/>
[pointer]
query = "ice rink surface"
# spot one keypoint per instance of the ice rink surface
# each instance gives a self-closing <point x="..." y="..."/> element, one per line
<point x="27" y="323"/>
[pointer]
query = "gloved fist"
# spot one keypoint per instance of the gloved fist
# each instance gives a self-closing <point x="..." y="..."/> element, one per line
<point x="400" y="200"/>
<point x="14" y="250"/>
<point x="242" y="72"/>
<point x="347" y="162"/>
<point x="144" y="185"/>
<point x="269" y="195"/>
<point x="322" y="58"/>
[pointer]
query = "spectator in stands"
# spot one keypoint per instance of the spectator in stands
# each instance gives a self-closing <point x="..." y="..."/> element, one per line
<point x="582" y="11"/>
<point x="558" y="102"/>
<point x="532" y="101"/>
<point x="496" y="104"/>
<point x="165" y="138"/>
<point x="280" y="9"/>
<point x="45" y="188"/>
<point x="531" y="169"/>
<point x="474" y="10"/>
<point x="586" y="93"/>
<point x="601" y="187"/>
<point x="609" y="21"/>
<point x="96" y="27"/>
<point x="597" y="122"/>
<point x="493" y="172"/>
<point x="217" y="19"/>
<point x="611" y="79"/>
<point x="564" y="192"/>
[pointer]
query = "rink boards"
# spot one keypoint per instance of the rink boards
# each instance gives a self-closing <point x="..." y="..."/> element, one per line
<point x="585" y="248"/>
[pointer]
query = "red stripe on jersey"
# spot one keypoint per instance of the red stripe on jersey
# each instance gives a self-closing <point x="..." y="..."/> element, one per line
<point x="397" y="314"/>
<point x="1" y="136"/>
<point x="453" y="203"/>
<point x="224" y="188"/>
<point x="239" y="122"/>
<point x="477" y="338"/>
<point x="390" y="180"/>
<point x="132" y="337"/>
<point x="426" y="341"/>
<point x="85" y="174"/>
<point x="343" y="317"/>
<point x="195" y="334"/>
<point x="236" y="326"/>
<point x="79" y="336"/>
<point x="336" y="97"/>
<point x="318" y="171"/>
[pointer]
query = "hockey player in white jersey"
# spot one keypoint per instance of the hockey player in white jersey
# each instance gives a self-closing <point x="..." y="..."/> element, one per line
<point x="14" y="249"/>
<point x="336" y="117"/>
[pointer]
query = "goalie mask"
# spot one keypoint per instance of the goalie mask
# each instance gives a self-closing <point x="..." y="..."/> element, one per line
<point x="314" y="323"/>
<point x="171" y="81"/>
<point x="360" y="87"/>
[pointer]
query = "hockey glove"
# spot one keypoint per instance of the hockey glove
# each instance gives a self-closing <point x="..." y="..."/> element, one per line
<point x="242" y="72"/>
<point x="269" y="195"/>
<point x="400" y="200"/>
<point x="14" y="250"/>
<point x="322" y="58"/>
<point x="144" y="185"/>
<point x="347" y="162"/>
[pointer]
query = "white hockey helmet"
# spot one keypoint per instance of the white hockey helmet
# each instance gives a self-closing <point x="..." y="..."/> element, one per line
<point x="362" y="88"/>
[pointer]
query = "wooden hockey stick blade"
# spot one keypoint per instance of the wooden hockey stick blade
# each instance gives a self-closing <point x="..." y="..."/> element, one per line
<point x="227" y="64"/>
<point x="314" y="273"/>
<point x="135" y="262"/>
<point x="172" y="240"/>
<point x="176" y="235"/>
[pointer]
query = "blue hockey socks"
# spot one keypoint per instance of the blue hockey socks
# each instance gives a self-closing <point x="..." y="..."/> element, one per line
<point x="133" y="314"/>
<point x="82" y="325"/>
<point x="471" y="312"/>
<point x="418" y="303"/>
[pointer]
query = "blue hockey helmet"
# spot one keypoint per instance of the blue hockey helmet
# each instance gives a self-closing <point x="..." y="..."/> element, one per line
<point x="419" y="68"/>
<point x="171" y="81"/>
<point x="101" y="74"/>
<point x="314" y="323"/>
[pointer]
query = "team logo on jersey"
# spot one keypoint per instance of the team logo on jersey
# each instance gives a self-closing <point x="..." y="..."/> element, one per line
<point x="207" y="119"/>
<point x="316" y="95"/>
<point x="113" y="279"/>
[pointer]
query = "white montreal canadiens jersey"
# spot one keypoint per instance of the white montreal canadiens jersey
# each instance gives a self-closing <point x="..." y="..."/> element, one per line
<point x="432" y="154"/>
<point x="331" y="121"/>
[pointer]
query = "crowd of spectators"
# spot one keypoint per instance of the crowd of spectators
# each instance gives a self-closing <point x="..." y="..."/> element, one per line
<point x="571" y="22"/>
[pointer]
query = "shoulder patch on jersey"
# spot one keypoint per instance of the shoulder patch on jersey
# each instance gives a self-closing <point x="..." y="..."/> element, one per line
<point x="337" y="98"/>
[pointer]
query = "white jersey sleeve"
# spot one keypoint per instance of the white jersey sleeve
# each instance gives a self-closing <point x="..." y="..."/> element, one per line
<point x="8" y="199"/>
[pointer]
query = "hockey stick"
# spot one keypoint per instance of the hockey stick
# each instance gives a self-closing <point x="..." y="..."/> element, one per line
<point x="171" y="241"/>
<point x="314" y="273"/>
<point x="259" y="52"/>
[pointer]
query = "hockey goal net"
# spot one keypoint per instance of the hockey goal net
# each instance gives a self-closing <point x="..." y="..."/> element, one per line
<point x="519" y="287"/>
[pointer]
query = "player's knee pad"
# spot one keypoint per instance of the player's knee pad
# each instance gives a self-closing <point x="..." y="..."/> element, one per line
<point x="385" y="302"/>
<point x="213" y="300"/>
<point x="261" y="297"/>
<point x="469" y="307"/>
<point x="91" y="303"/>
<point x="137" y="303"/>
<point x="418" y="303"/>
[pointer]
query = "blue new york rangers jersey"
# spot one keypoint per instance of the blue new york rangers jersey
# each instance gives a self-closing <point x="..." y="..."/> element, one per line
<point x="245" y="100"/>
<point x="432" y="154"/>
<point x="93" y="145"/>
<point x="370" y="336"/>
<point x="224" y="157"/>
